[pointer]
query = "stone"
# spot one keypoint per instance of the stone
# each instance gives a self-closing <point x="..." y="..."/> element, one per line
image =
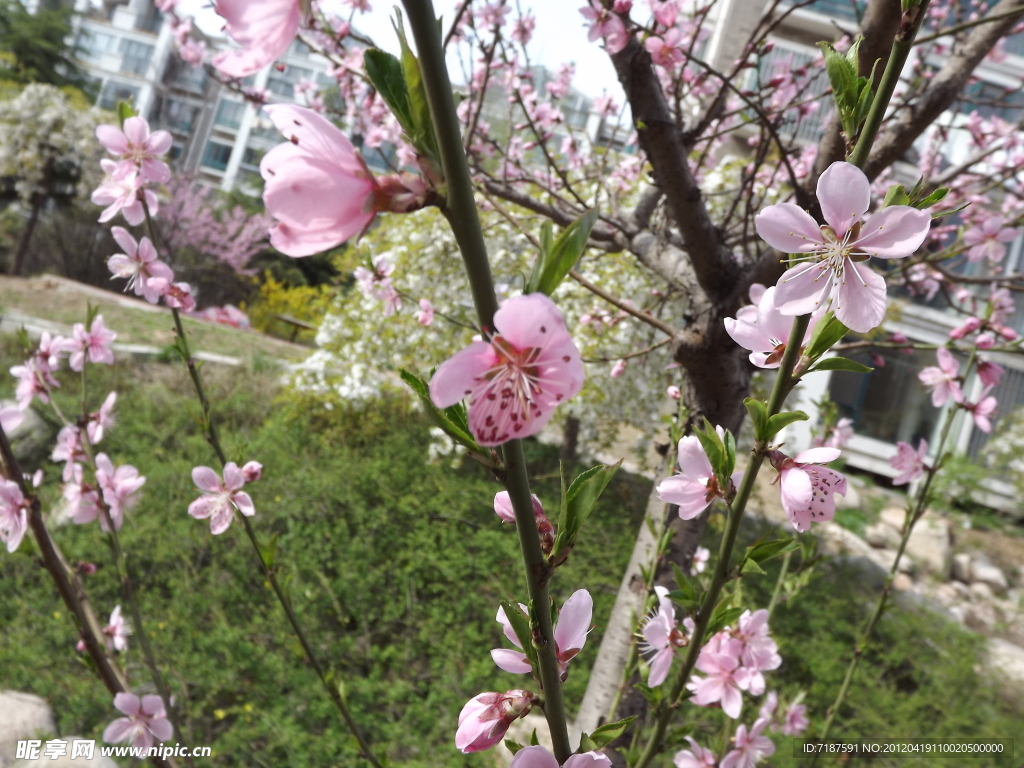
<point x="983" y="572"/>
<point x="961" y="589"/>
<point x="903" y="583"/>
<point x="881" y="536"/>
<point x="1006" y="658"/>
<point x="65" y="761"/>
<point x="22" y="716"/>
<point x="836" y="540"/>
<point x="886" y="557"/>
<point x="930" y="543"/>
<point x="851" y="500"/>
<point x="946" y="594"/>
<point x="962" y="567"/>
<point x="893" y="517"/>
<point x="980" y="617"/>
<point x="981" y="591"/>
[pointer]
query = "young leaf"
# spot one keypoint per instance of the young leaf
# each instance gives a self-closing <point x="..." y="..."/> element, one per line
<point x="564" y="252"/>
<point x="827" y="332"/>
<point x="766" y="550"/>
<point x="722" y="617"/>
<point x="452" y="419"/>
<point x="582" y="496"/>
<point x="896" y="195"/>
<point x="512" y="746"/>
<point x="609" y="732"/>
<point x="751" y="566"/>
<point x="759" y="416"/>
<point x="422" y="135"/>
<point x="124" y="111"/>
<point x="546" y="239"/>
<point x="841" y="364"/>
<point x="935" y="197"/>
<point x="782" y="420"/>
<point x="730" y="454"/>
<point x="713" y="447"/>
<point x="387" y="78"/>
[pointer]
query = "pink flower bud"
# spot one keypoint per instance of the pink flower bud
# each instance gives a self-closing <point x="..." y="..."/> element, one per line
<point x="674" y="392"/>
<point x="618" y="369"/>
<point x="252" y="471"/>
<point x="87" y="569"/>
<point x="486" y="718"/>
<point x="985" y="340"/>
<point x="1007" y="333"/>
<point x="80" y="646"/>
<point x="899" y="338"/>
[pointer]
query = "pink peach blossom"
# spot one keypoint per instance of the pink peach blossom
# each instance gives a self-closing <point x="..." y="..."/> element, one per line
<point x="11" y="418"/>
<point x="146" y="719"/>
<point x="515" y="380"/>
<point x="982" y="410"/>
<point x="943" y="381"/>
<point x="909" y="463"/>
<point x="317" y="186"/>
<point x="138" y="264"/>
<point x="13" y="514"/>
<point x="117" y="630"/>
<point x="101" y="420"/>
<point x="571" y="630"/>
<point x="835" y="271"/>
<point x="220" y="499"/>
<point x="751" y="747"/>
<point x="69" y="449"/>
<point x="264" y="29"/>
<point x="96" y="343"/>
<point x="719" y="662"/>
<point x="138" y="149"/>
<point x="33" y="382"/>
<point x="118" y="485"/>
<point x="700" y="560"/>
<point x="808" y="488"/>
<point x="695" y="757"/>
<point x="663" y="637"/>
<point x="175" y="295"/>
<point x="120" y="193"/>
<point x="795" y="721"/>
<point x="989" y="373"/>
<point x="988" y="240"/>
<point x="485" y="719"/>
<point x="762" y="328"/>
<point x="426" y="314"/>
<point x="605" y="24"/>
<point x="696" y="485"/>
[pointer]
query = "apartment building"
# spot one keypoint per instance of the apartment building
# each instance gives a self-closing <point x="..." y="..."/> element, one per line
<point x="127" y="46"/>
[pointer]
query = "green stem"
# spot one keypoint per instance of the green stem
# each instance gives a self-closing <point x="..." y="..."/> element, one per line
<point x="901" y="47"/>
<point x="210" y="429"/>
<point x="783" y="386"/>
<point x="914" y="514"/>
<point x="778" y="584"/>
<point x="460" y="209"/>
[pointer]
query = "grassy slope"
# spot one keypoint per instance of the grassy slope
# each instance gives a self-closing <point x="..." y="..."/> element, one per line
<point x="397" y="567"/>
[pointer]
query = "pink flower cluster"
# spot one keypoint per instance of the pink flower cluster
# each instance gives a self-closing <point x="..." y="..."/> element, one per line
<point x="14" y="511"/>
<point x="138" y="151"/>
<point x="733" y="661"/>
<point x="944" y="381"/>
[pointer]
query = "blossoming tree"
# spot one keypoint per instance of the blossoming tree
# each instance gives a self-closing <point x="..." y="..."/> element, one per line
<point x="811" y="235"/>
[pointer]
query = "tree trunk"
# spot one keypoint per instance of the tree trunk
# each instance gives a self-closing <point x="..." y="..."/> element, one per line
<point x="26" y="235"/>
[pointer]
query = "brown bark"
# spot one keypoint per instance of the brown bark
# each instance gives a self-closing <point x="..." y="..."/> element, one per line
<point x="26" y="235"/>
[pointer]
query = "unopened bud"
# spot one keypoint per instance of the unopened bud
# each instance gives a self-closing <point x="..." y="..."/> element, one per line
<point x="252" y="471"/>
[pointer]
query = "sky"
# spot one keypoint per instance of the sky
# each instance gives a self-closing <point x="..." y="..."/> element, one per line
<point x="560" y="36"/>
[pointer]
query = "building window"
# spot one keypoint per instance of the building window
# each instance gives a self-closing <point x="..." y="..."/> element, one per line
<point x="217" y="155"/>
<point x="136" y="56"/>
<point x="299" y="48"/>
<point x="92" y="45"/>
<point x="177" y="150"/>
<point x="230" y="113"/>
<point x="179" y="115"/>
<point x="114" y="92"/>
<point x="283" y="82"/>
<point x="888" y="404"/>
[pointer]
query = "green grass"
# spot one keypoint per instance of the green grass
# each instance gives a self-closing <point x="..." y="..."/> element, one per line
<point x="396" y="567"/>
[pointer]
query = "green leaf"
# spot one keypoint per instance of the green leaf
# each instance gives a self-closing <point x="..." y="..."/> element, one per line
<point x="534" y="741"/>
<point x="730" y="454"/>
<point x="546" y="240"/>
<point x="560" y="256"/>
<point x="896" y="195"/>
<point x="713" y="446"/>
<point x="766" y="550"/>
<point x="827" y="332"/>
<point x="452" y="419"/>
<point x="521" y="626"/>
<point x="580" y="499"/>
<point x="512" y="746"/>
<point x="609" y="732"/>
<point x="422" y="134"/>
<point x="587" y="744"/>
<point x="759" y="416"/>
<point x="751" y="566"/>
<point x="841" y="364"/>
<point x="386" y="76"/>
<point x="124" y="111"/>
<point x="269" y="551"/>
<point x="935" y="197"/>
<point x="723" y="617"/>
<point x="780" y="421"/>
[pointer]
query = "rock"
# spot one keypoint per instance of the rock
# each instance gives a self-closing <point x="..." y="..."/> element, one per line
<point x="893" y="517"/>
<point x="983" y="572"/>
<point x="66" y="761"/>
<point x="1007" y="658"/>
<point x="957" y="612"/>
<point x="981" y="591"/>
<point x="886" y="557"/>
<point x="903" y="582"/>
<point x="851" y="500"/>
<point x="946" y="594"/>
<point x="930" y="543"/>
<point x="980" y="617"/>
<point x="31" y="440"/>
<point x="961" y="589"/>
<point x="22" y="716"/>
<point x="882" y="536"/>
<point x="836" y="540"/>
<point x="962" y="567"/>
